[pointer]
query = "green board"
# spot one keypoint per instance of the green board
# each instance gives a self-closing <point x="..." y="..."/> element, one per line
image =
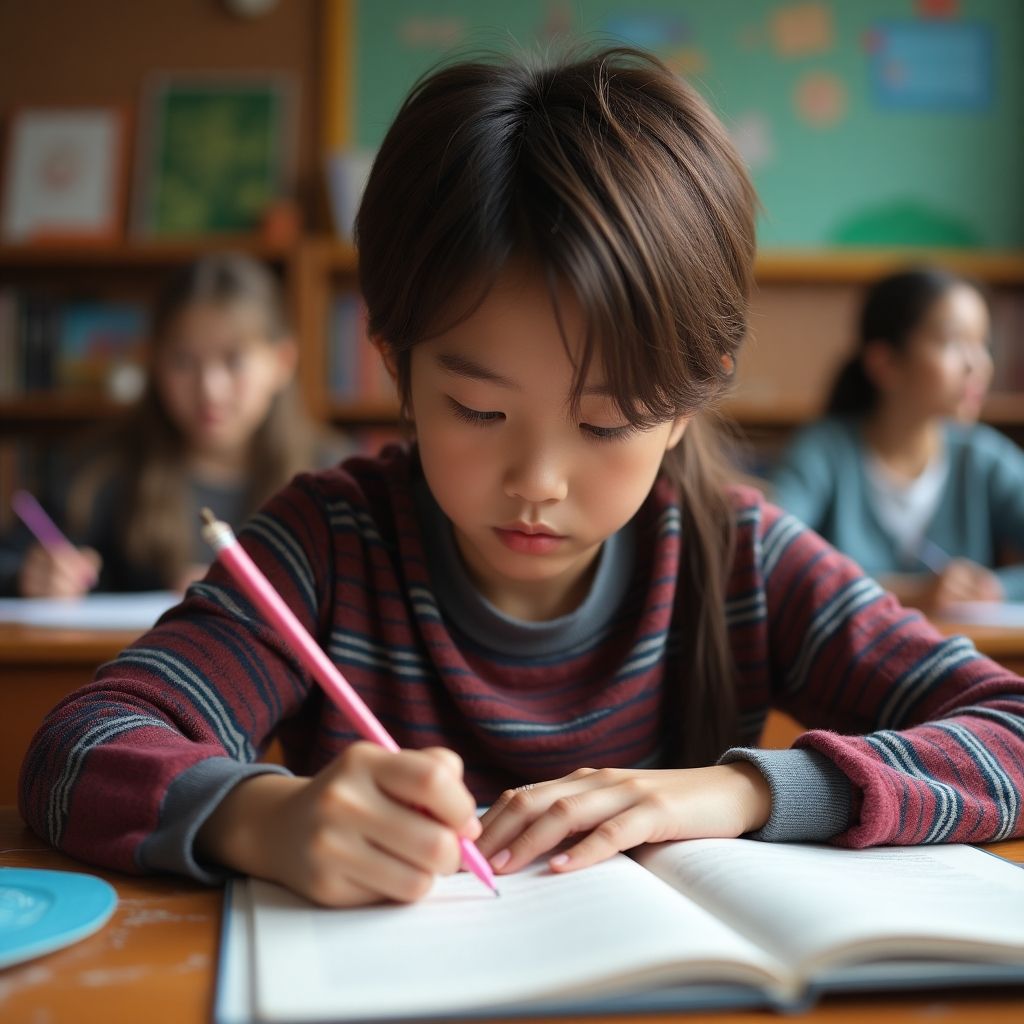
<point x="864" y="122"/>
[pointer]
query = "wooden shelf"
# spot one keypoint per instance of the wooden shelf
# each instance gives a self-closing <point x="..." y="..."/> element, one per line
<point x="857" y="266"/>
<point x="348" y="413"/>
<point x="1001" y="410"/>
<point x="130" y="252"/>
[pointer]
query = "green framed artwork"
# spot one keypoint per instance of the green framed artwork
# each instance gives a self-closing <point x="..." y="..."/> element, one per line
<point x="215" y="151"/>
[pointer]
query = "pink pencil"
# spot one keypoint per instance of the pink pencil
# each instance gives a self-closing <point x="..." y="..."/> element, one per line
<point x="259" y="590"/>
<point x="46" y="531"/>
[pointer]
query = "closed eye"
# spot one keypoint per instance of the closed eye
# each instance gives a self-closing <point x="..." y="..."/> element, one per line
<point x="607" y="433"/>
<point x="468" y="415"/>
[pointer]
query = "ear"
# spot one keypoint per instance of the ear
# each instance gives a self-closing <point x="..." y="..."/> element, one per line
<point x="679" y="426"/>
<point x="387" y="354"/>
<point x="881" y="364"/>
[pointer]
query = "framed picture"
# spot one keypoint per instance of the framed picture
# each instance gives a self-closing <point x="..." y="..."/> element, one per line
<point x="215" y="151"/>
<point x="63" y="174"/>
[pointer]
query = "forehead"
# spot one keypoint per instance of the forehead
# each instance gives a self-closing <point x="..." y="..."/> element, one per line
<point x="208" y="323"/>
<point x="960" y="305"/>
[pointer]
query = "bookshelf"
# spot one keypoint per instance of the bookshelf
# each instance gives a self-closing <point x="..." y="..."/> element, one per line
<point x="800" y="323"/>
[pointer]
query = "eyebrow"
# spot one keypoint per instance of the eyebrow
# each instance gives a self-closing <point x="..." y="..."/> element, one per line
<point x="465" y="367"/>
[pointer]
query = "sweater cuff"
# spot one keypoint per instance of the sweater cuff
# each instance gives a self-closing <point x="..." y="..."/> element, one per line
<point x="811" y="797"/>
<point x="190" y="799"/>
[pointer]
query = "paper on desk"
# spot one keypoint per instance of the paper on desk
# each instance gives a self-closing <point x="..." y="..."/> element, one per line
<point x="95" y="611"/>
<point x="986" y="613"/>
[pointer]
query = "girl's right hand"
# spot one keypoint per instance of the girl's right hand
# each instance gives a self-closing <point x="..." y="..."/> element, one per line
<point x="54" y="573"/>
<point x="371" y="825"/>
<point x="961" y="580"/>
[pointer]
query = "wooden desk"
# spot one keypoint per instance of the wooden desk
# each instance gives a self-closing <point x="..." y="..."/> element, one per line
<point x="156" y="961"/>
<point x="37" y="668"/>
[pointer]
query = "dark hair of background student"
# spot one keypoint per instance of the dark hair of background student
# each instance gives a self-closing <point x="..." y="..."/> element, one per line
<point x="893" y="309"/>
<point x="609" y="174"/>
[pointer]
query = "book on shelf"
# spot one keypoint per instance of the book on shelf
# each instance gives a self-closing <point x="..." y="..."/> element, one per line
<point x="698" y="924"/>
<point x="355" y="370"/>
<point x="78" y="346"/>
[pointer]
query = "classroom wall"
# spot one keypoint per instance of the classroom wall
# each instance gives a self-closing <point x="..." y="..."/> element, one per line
<point x="865" y="122"/>
<point x="101" y="51"/>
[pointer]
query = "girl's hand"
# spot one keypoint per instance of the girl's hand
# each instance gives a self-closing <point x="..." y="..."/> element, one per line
<point x="371" y="825"/>
<point x="961" y="580"/>
<point x="620" y="808"/>
<point x="71" y="572"/>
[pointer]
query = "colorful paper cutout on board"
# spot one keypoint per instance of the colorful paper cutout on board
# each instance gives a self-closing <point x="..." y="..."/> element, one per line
<point x="820" y="99"/>
<point x="938" y="8"/>
<point x="905" y="222"/>
<point x="687" y="61"/>
<point x="424" y="32"/>
<point x="802" y="30"/>
<point x="752" y="135"/>
<point x="932" y="65"/>
<point x="650" y="31"/>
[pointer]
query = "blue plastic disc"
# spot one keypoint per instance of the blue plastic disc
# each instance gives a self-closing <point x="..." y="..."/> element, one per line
<point x="41" y="911"/>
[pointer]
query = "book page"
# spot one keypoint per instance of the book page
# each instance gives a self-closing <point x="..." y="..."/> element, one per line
<point x="812" y="904"/>
<point x="607" y="928"/>
<point x="92" y="611"/>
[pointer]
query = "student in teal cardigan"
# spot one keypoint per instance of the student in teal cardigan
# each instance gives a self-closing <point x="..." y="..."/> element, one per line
<point x="900" y="475"/>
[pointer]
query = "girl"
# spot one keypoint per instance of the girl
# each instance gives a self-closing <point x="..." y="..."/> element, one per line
<point x="219" y="424"/>
<point x="901" y="477"/>
<point x="551" y="591"/>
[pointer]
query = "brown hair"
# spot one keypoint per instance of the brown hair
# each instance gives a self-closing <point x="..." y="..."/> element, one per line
<point x="608" y="174"/>
<point x="149" y="453"/>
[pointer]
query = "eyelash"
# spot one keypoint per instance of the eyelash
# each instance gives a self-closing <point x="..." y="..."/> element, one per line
<point x="483" y="419"/>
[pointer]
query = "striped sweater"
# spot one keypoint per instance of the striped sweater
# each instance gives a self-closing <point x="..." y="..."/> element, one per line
<point x="912" y="737"/>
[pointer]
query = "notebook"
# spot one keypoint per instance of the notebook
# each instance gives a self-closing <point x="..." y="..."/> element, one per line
<point x="687" y="925"/>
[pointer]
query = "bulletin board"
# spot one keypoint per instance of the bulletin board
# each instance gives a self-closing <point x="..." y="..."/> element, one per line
<point x="864" y="122"/>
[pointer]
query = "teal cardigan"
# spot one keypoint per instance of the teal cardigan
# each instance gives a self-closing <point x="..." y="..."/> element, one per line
<point x="821" y="480"/>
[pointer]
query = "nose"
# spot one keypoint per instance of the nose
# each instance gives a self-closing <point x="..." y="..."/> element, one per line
<point x="537" y="473"/>
<point x="212" y="381"/>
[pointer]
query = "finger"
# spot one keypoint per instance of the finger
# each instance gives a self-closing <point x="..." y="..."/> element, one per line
<point x="409" y="835"/>
<point x="630" y="828"/>
<point x="415" y="777"/>
<point x="514" y="810"/>
<point x="566" y="816"/>
<point x="357" y="871"/>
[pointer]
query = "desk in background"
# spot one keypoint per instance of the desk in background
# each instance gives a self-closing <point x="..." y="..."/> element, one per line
<point x="40" y="666"/>
<point x="156" y="961"/>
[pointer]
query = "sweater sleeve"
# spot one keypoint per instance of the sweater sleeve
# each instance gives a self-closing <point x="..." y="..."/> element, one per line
<point x="802" y="482"/>
<point x="929" y="733"/>
<point x="1006" y="492"/>
<point x="194" y="702"/>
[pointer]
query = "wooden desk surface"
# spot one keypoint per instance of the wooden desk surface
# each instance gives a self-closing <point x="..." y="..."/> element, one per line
<point x="156" y="961"/>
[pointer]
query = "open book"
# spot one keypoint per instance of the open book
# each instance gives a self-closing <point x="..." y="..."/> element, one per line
<point x="710" y="922"/>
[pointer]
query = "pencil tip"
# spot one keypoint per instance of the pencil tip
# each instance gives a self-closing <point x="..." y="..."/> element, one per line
<point x="207" y="516"/>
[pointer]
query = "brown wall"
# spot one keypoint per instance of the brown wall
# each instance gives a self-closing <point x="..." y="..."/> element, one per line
<point x="99" y="51"/>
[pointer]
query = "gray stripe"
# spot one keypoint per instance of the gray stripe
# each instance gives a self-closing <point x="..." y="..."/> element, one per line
<point x="288" y="549"/>
<point x="203" y="692"/>
<point x="100" y="733"/>
<point x="895" y="745"/>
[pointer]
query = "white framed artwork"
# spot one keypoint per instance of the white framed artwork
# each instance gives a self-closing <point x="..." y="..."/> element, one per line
<point x="63" y="175"/>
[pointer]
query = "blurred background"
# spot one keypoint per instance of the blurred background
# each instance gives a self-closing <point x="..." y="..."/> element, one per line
<point x="140" y="136"/>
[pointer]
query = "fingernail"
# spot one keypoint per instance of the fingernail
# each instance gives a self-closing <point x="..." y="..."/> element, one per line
<point x="559" y="860"/>
<point x="500" y="859"/>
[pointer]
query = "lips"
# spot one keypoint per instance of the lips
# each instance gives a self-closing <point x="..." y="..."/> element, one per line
<point x="529" y="538"/>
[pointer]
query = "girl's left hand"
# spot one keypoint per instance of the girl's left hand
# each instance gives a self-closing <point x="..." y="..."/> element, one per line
<point x="620" y="808"/>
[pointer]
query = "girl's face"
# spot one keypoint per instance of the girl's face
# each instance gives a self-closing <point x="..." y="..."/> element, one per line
<point x="946" y="367"/>
<point x="217" y="373"/>
<point x="531" y="491"/>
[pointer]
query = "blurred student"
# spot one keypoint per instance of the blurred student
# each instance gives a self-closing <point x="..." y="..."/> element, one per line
<point x="219" y="424"/>
<point x="900" y="475"/>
